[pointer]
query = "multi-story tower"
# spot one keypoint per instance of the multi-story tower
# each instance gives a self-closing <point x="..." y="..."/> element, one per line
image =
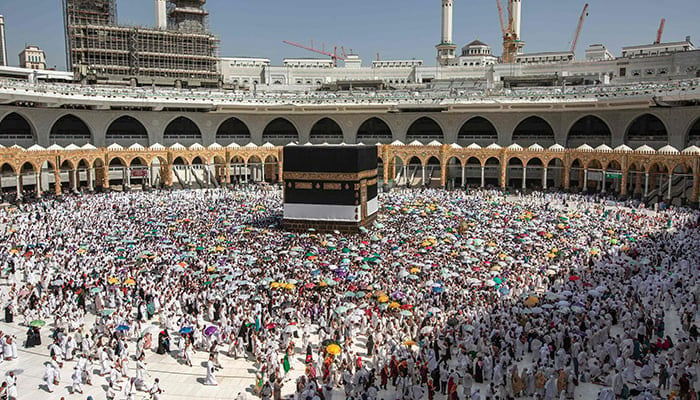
<point x="179" y="52"/>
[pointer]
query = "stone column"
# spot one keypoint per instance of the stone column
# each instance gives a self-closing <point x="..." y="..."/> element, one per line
<point x="567" y="177"/>
<point x="57" y="181"/>
<point x="405" y="175"/>
<point x="585" y="179"/>
<point x="670" y="182"/>
<point x="37" y="183"/>
<point x="443" y="174"/>
<point x="89" y="175"/>
<point x="623" y="182"/>
<point x="646" y="184"/>
<point x="18" y="182"/>
<point x="262" y="172"/>
<point x="128" y="176"/>
<point x="544" y="178"/>
<point x="423" y="175"/>
<point x="464" y="175"/>
<point x="227" y="174"/>
<point x="504" y="174"/>
<point x="385" y="172"/>
<point x="483" y="176"/>
<point x="603" y="183"/>
<point x="524" y="185"/>
<point x="245" y="172"/>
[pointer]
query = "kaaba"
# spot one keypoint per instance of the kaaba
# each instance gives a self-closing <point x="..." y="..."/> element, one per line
<point x="329" y="188"/>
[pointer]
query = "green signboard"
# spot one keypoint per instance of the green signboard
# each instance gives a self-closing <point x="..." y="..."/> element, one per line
<point x="613" y="175"/>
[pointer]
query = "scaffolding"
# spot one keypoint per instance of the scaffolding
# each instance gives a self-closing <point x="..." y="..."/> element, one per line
<point x="100" y="50"/>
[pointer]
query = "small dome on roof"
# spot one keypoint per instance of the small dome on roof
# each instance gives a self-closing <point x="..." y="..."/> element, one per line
<point x="668" y="149"/>
<point x="556" y="147"/>
<point x="644" y="149"/>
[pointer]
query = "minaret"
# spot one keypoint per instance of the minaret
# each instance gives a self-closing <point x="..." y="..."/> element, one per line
<point x="515" y="13"/>
<point x="161" y="15"/>
<point x="446" y="49"/>
<point x="3" y="43"/>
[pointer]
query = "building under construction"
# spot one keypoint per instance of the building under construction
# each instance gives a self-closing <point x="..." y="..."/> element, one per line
<point x="179" y="51"/>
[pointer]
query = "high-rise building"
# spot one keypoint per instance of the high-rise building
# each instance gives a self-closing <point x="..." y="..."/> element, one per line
<point x="32" y="57"/>
<point x="181" y="53"/>
<point x="3" y="42"/>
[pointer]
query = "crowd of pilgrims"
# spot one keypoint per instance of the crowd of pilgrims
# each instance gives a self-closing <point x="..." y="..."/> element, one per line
<point x="450" y="294"/>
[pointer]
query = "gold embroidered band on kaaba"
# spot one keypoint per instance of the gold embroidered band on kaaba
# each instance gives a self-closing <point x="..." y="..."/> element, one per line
<point x="330" y="176"/>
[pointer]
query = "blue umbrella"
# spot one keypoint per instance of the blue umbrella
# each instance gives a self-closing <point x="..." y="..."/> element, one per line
<point x="186" y="330"/>
<point x="122" y="328"/>
<point x="438" y="289"/>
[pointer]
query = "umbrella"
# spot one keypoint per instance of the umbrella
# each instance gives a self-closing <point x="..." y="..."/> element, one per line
<point x="130" y="282"/>
<point x="37" y="323"/>
<point x="341" y="310"/>
<point x="531" y="301"/>
<point x="426" y="330"/>
<point x="108" y="311"/>
<point x="211" y="330"/>
<point x="113" y="280"/>
<point x="434" y="310"/>
<point x="574" y="278"/>
<point x="394" y="305"/>
<point x="122" y="328"/>
<point x="383" y="299"/>
<point x="406" y="313"/>
<point x="291" y="329"/>
<point x="333" y="349"/>
<point x="96" y="290"/>
<point x="185" y="330"/>
<point x="409" y="343"/>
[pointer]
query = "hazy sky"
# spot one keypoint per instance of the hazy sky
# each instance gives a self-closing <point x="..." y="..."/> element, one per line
<point x="397" y="29"/>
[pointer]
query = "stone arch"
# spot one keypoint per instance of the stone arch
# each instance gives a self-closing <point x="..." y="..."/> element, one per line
<point x="424" y="129"/>
<point x="271" y="165"/>
<point x="646" y="129"/>
<point x="555" y="173"/>
<point x="693" y="136"/>
<point x="182" y="130"/>
<point x="576" y="173"/>
<point x="280" y="131"/>
<point x="126" y="130"/>
<point x="514" y="172"/>
<point x="16" y="129"/>
<point x="326" y="130"/>
<point x="477" y="130"/>
<point x="374" y="130"/>
<point x="7" y="175"/>
<point x="533" y="130"/>
<point x="70" y="129"/>
<point x="590" y="130"/>
<point x="492" y="171"/>
<point x="180" y="160"/>
<point x="233" y="130"/>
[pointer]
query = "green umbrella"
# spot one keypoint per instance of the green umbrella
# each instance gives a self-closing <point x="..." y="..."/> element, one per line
<point x="108" y="311"/>
<point x="96" y="290"/>
<point x="37" y="323"/>
<point x="206" y="283"/>
<point x="341" y="310"/>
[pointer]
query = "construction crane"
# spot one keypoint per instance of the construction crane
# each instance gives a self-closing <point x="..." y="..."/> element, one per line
<point x="661" y="31"/>
<point x="334" y="56"/>
<point x="512" y="44"/>
<point x="584" y="14"/>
